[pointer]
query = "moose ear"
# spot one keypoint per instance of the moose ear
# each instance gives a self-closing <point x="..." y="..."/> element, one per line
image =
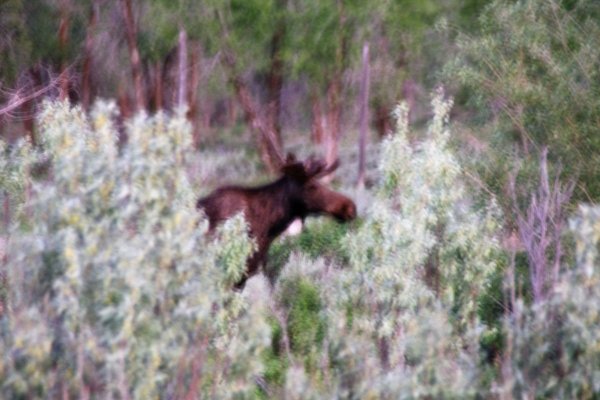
<point x="290" y="158"/>
<point x="294" y="170"/>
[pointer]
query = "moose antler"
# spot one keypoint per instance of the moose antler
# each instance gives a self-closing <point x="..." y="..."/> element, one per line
<point x="322" y="169"/>
<point x="312" y="168"/>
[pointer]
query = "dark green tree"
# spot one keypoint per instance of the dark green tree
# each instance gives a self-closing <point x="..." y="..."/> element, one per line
<point x="15" y="45"/>
<point x="532" y="69"/>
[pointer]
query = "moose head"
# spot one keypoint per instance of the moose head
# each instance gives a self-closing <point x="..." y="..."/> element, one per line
<point x="311" y="197"/>
<point x="271" y="208"/>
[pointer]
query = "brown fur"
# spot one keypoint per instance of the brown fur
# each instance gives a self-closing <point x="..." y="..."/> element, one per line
<point x="271" y="208"/>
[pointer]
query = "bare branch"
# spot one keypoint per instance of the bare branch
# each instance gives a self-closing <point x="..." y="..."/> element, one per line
<point x="540" y="227"/>
<point x="18" y="98"/>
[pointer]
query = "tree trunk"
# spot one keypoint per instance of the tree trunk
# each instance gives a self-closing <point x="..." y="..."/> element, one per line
<point x="63" y="38"/>
<point x="28" y="121"/>
<point x="168" y="65"/>
<point x="364" y="115"/>
<point x="134" y="55"/>
<point x="382" y="118"/>
<point x="334" y="103"/>
<point x="317" y="122"/>
<point x="4" y="253"/>
<point x="333" y="119"/>
<point x="275" y="80"/>
<point x="86" y="76"/>
<point x="270" y="152"/>
<point x="193" y="93"/>
<point x="124" y="103"/>
<point x="158" y="86"/>
<point x="183" y="68"/>
<point x="28" y="106"/>
<point x="384" y="352"/>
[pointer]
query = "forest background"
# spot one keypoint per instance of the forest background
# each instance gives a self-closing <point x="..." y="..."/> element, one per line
<point x="468" y="134"/>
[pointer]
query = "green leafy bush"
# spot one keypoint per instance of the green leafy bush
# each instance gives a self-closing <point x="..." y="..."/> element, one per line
<point x="115" y="290"/>
<point x="128" y="296"/>
<point x="400" y="308"/>
<point x="320" y="238"/>
<point x="532" y="75"/>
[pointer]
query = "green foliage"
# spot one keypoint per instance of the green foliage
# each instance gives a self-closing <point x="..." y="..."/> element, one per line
<point x="244" y="27"/>
<point x="15" y="45"/>
<point x="320" y="238"/>
<point x="130" y="294"/>
<point x="534" y="65"/>
<point x="317" y="37"/>
<point x="115" y="289"/>
<point x="274" y="359"/>
<point x="234" y="249"/>
<point x="423" y="217"/>
<point x="305" y="324"/>
<point x="491" y="309"/>
<point x="388" y="331"/>
<point x="323" y="238"/>
<point x="14" y="162"/>
<point x="157" y="42"/>
<point x="43" y="18"/>
<point x="161" y="21"/>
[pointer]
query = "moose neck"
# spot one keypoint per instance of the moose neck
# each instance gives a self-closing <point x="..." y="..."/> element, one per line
<point x="282" y="204"/>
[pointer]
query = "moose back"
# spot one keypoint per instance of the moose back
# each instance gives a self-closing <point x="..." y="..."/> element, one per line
<point x="271" y="208"/>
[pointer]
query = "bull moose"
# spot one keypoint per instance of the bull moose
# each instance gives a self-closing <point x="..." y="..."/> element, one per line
<point x="271" y="208"/>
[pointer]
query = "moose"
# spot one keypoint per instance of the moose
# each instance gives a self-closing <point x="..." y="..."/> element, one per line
<point x="271" y="208"/>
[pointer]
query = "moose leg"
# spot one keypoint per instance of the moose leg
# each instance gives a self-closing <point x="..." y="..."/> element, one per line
<point x="239" y="286"/>
<point x="252" y="266"/>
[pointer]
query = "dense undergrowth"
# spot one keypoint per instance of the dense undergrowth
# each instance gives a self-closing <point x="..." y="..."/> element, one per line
<point x="111" y="289"/>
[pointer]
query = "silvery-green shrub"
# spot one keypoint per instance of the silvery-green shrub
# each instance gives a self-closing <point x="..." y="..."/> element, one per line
<point x="115" y="289"/>
<point x="401" y="316"/>
<point x="553" y="346"/>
